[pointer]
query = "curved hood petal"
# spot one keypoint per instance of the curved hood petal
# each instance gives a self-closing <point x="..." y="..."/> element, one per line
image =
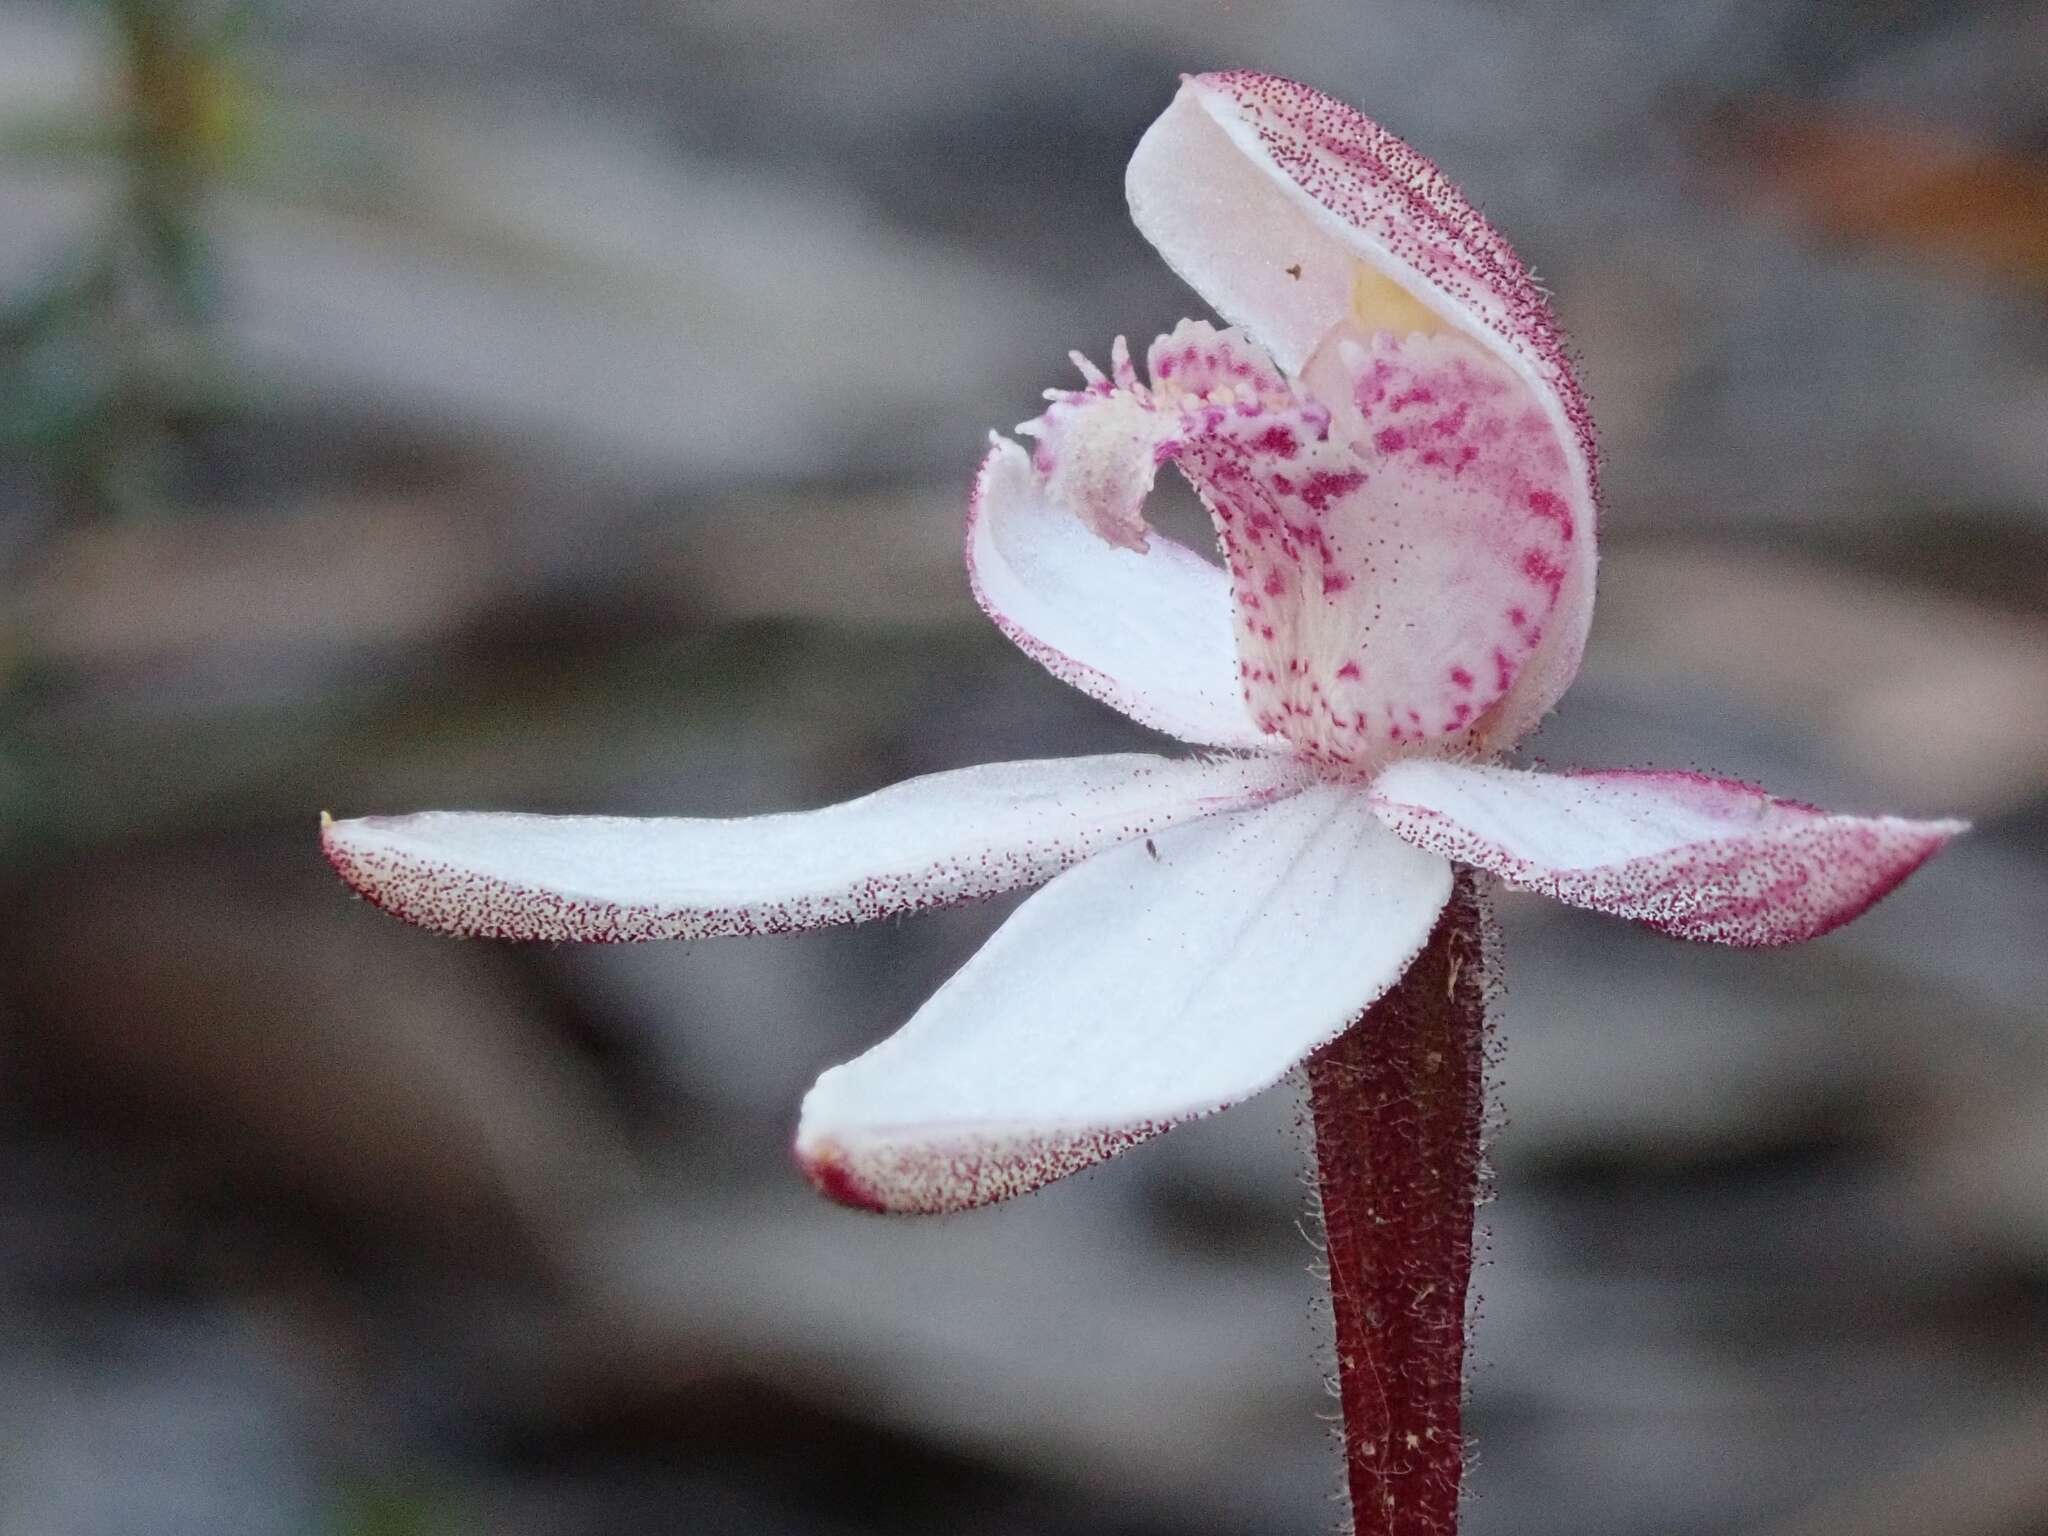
<point x="1302" y="220"/>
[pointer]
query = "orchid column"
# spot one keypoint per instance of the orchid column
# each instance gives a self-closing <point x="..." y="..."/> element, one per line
<point x="1399" y="466"/>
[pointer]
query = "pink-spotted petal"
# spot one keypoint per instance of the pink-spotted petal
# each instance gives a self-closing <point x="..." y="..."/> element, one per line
<point x="1304" y="221"/>
<point x="1146" y="986"/>
<point x="1097" y="450"/>
<point x="1695" y="857"/>
<point x="1147" y="632"/>
<point x="1392" y="584"/>
<point x="944" y="838"/>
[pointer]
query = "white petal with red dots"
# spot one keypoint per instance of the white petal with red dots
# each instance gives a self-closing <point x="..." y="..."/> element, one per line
<point x="1392" y="586"/>
<point x="1695" y="857"/>
<point x="927" y="842"/>
<point x="1301" y="219"/>
<point x="1147" y="632"/>
<point x="1143" y="988"/>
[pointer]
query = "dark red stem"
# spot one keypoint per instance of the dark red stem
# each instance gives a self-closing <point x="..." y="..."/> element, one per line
<point x="1399" y="1104"/>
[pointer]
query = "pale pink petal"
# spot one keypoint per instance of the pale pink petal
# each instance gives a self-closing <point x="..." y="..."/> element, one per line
<point x="1212" y="376"/>
<point x="1148" y="985"/>
<point x="1098" y="449"/>
<point x="1390" y="585"/>
<point x="1391" y="588"/>
<point x="1301" y="219"/>
<point x="1146" y="631"/>
<point x="945" y="838"/>
<point x="1695" y="857"/>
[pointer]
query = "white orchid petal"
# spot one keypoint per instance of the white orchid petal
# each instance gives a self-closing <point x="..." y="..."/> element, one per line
<point x="1301" y="219"/>
<point x="1695" y="857"/>
<point x="1142" y="988"/>
<point x="944" y="838"/>
<point x="1148" y="632"/>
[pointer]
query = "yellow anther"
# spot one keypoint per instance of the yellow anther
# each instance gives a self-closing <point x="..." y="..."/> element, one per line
<point x="1378" y="303"/>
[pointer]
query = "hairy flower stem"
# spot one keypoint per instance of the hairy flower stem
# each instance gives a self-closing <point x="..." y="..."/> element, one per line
<point x="1399" y="1105"/>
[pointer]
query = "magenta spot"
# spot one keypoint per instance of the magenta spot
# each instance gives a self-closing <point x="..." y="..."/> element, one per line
<point x="1390" y="440"/>
<point x="1517" y="617"/>
<point x="1454" y="423"/>
<point x="1325" y="485"/>
<point x="1350" y="670"/>
<point x="1335" y="582"/>
<point x="1279" y="442"/>
<point x="1549" y="504"/>
<point x="1165" y="368"/>
<point x="1462" y="678"/>
<point x="1421" y="394"/>
<point x="1544" y="571"/>
<point x="1275" y="584"/>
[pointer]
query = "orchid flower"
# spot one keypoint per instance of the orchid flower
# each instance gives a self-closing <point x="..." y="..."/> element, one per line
<point x="1399" y="464"/>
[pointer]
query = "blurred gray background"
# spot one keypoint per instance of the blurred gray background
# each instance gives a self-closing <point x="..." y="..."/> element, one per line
<point x="490" y="403"/>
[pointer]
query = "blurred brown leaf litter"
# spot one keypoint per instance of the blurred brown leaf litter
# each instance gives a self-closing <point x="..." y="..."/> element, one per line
<point x="579" y="416"/>
<point x="1893" y="181"/>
